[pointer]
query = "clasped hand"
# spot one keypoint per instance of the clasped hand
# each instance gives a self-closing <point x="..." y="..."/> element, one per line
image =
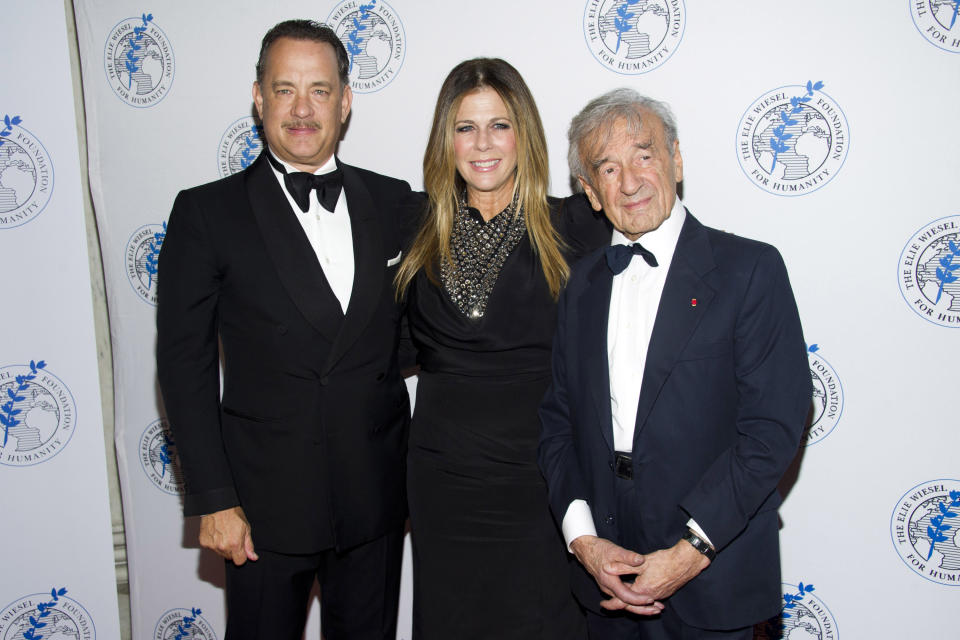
<point x="658" y="575"/>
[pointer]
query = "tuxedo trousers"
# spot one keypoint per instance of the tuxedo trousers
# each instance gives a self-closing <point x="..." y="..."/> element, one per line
<point x="359" y="593"/>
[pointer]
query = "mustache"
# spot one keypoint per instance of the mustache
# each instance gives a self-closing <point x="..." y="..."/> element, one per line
<point x="301" y="124"/>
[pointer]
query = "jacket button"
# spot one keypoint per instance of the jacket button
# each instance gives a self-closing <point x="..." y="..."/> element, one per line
<point x="282" y="329"/>
<point x="609" y="520"/>
<point x="610" y="464"/>
<point x="324" y="381"/>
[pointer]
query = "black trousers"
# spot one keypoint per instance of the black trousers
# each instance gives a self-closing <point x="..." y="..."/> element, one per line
<point x="359" y="593"/>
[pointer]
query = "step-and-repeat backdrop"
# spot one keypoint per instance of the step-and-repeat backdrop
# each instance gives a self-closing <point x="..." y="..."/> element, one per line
<point x="56" y="547"/>
<point x="824" y="128"/>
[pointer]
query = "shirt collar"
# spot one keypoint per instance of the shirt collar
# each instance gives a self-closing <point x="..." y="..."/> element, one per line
<point x="326" y="167"/>
<point x="662" y="241"/>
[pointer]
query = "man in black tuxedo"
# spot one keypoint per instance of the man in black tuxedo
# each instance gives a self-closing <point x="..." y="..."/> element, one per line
<point x="298" y="471"/>
<point x="680" y="391"/>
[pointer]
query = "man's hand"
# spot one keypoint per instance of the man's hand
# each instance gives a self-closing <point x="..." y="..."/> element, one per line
<point x="228" y="533"/>
<point x="666" y="570"/>
<point x="606" y="562"/>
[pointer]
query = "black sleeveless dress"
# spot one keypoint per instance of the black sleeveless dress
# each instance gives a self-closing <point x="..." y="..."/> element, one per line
<point x="489" y="560"/>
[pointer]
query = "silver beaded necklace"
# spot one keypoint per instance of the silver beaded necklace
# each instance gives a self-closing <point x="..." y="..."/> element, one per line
<point x="479" y="249"/>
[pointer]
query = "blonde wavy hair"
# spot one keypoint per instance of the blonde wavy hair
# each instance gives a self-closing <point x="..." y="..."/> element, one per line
<point x="444" y="183"/>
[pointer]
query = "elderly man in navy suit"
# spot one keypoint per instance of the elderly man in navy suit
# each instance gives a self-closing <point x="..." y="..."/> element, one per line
<point x="680" y="392"/>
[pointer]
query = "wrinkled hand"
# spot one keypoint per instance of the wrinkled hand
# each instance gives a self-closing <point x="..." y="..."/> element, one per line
<point x="606" y="562"/>
<point x="666" y="570"/>
<point x="228" y="533"/>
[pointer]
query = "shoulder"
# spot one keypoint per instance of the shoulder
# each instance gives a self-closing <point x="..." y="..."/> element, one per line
<point x="727" y="247"/>
<point x="580" y="227"/>
<point x="217" y="189"/>
<point x="741" y="259"/>
<point x="374" y="180"/>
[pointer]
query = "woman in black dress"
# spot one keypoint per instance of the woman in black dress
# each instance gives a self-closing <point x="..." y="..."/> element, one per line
<point x="481" y="280"/>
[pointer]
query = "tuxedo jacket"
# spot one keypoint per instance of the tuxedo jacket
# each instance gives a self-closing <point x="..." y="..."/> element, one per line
<point x="310" y="435"/>
<point x="725" y="394"/>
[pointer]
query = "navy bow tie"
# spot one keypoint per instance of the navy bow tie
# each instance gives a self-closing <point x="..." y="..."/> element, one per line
<point x="619" y="256"/>
<point x="300" y="183"/>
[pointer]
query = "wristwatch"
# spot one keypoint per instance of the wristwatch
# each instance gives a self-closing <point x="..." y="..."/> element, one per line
<point x="700" y="545"/>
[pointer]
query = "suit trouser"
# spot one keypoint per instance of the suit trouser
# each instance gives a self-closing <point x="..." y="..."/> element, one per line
<point x="665" y="626"/>
<point x="359" y="593"/>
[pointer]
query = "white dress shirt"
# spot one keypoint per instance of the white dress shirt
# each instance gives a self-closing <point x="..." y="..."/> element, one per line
<point x="634" y="300"/>
<point x="329" y="233"/>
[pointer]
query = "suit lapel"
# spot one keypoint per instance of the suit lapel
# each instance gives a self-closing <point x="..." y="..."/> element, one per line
<point x="677" y="315"/>
<point x="293" y="257"/>
<point x="368" y="260"/>
<point x="594" y="307"/>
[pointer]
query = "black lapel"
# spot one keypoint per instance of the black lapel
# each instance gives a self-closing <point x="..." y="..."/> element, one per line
<point x="593" y="309"/>
<point x="292" y="255"/>
<point x="369" y="264"/>
<point x="677" y="316"/>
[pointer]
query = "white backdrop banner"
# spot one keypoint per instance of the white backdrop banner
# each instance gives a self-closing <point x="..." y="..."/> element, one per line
<point x="824" y="130"/>
<point x="56" y="574"/>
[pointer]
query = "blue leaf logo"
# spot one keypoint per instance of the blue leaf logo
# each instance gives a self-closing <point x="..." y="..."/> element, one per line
<point x="133" y="63"/>
<point x="778" y="141"/>
<point x="937" y="528"/>
<point x="622" y="22"/>
<point x="790" y="601"/>
<point x="43" y="610"/>
<point x="183" y="629"/>
<point x="8" y="124"/>
<point x="947" y="266"/>
<point x="153" y="254"/>
<point x="8" y="411"/>
<point x="354" y="44"/>
<point x="252" y="143"/>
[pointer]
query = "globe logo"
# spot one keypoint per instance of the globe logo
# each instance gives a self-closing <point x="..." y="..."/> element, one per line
<point x="159" y="459"/>
<point x="375" y="41"/>
<point x="827" y="398"/>
<point x="37" y="414"/>
<point x="181" y="624"/>
<point x="633" y="36"/>
<point x="929" y="272"/>
<point x="26" y="174"/>
<point x="141" y="256"/>
<point x="138" y="61"/>
<point x="64" y="618"/>
<point x="793" y="140"/>
<point x="239" y="146"/>
<point x="925" y="529"/>
<point x="803" y="616"/>
<point x="938" y="21"/>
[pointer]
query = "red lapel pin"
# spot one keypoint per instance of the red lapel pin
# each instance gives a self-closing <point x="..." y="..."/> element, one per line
<point x="693" y="302"/>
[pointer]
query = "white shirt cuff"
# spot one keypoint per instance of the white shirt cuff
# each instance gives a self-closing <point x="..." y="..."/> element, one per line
<point x="577" y="521"/>
<point x="692" y="524"/>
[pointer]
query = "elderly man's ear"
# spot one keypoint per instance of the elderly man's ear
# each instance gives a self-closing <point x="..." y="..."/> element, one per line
<point x="591" y="194"/>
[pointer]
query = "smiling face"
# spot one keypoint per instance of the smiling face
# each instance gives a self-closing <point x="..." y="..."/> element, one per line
<point x="301" y="103"/>
<point x="485" y="150"/>
<point x="634" y="175"/>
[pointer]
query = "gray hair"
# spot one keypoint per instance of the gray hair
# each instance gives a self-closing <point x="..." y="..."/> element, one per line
<point x="597" y="120"/>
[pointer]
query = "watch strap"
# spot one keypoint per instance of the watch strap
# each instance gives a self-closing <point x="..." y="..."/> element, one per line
<point x="700" y="545"/>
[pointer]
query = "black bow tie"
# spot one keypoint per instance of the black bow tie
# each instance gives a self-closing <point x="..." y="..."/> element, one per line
<point x="300" y="183"/>
<point x="619" y="256"/>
